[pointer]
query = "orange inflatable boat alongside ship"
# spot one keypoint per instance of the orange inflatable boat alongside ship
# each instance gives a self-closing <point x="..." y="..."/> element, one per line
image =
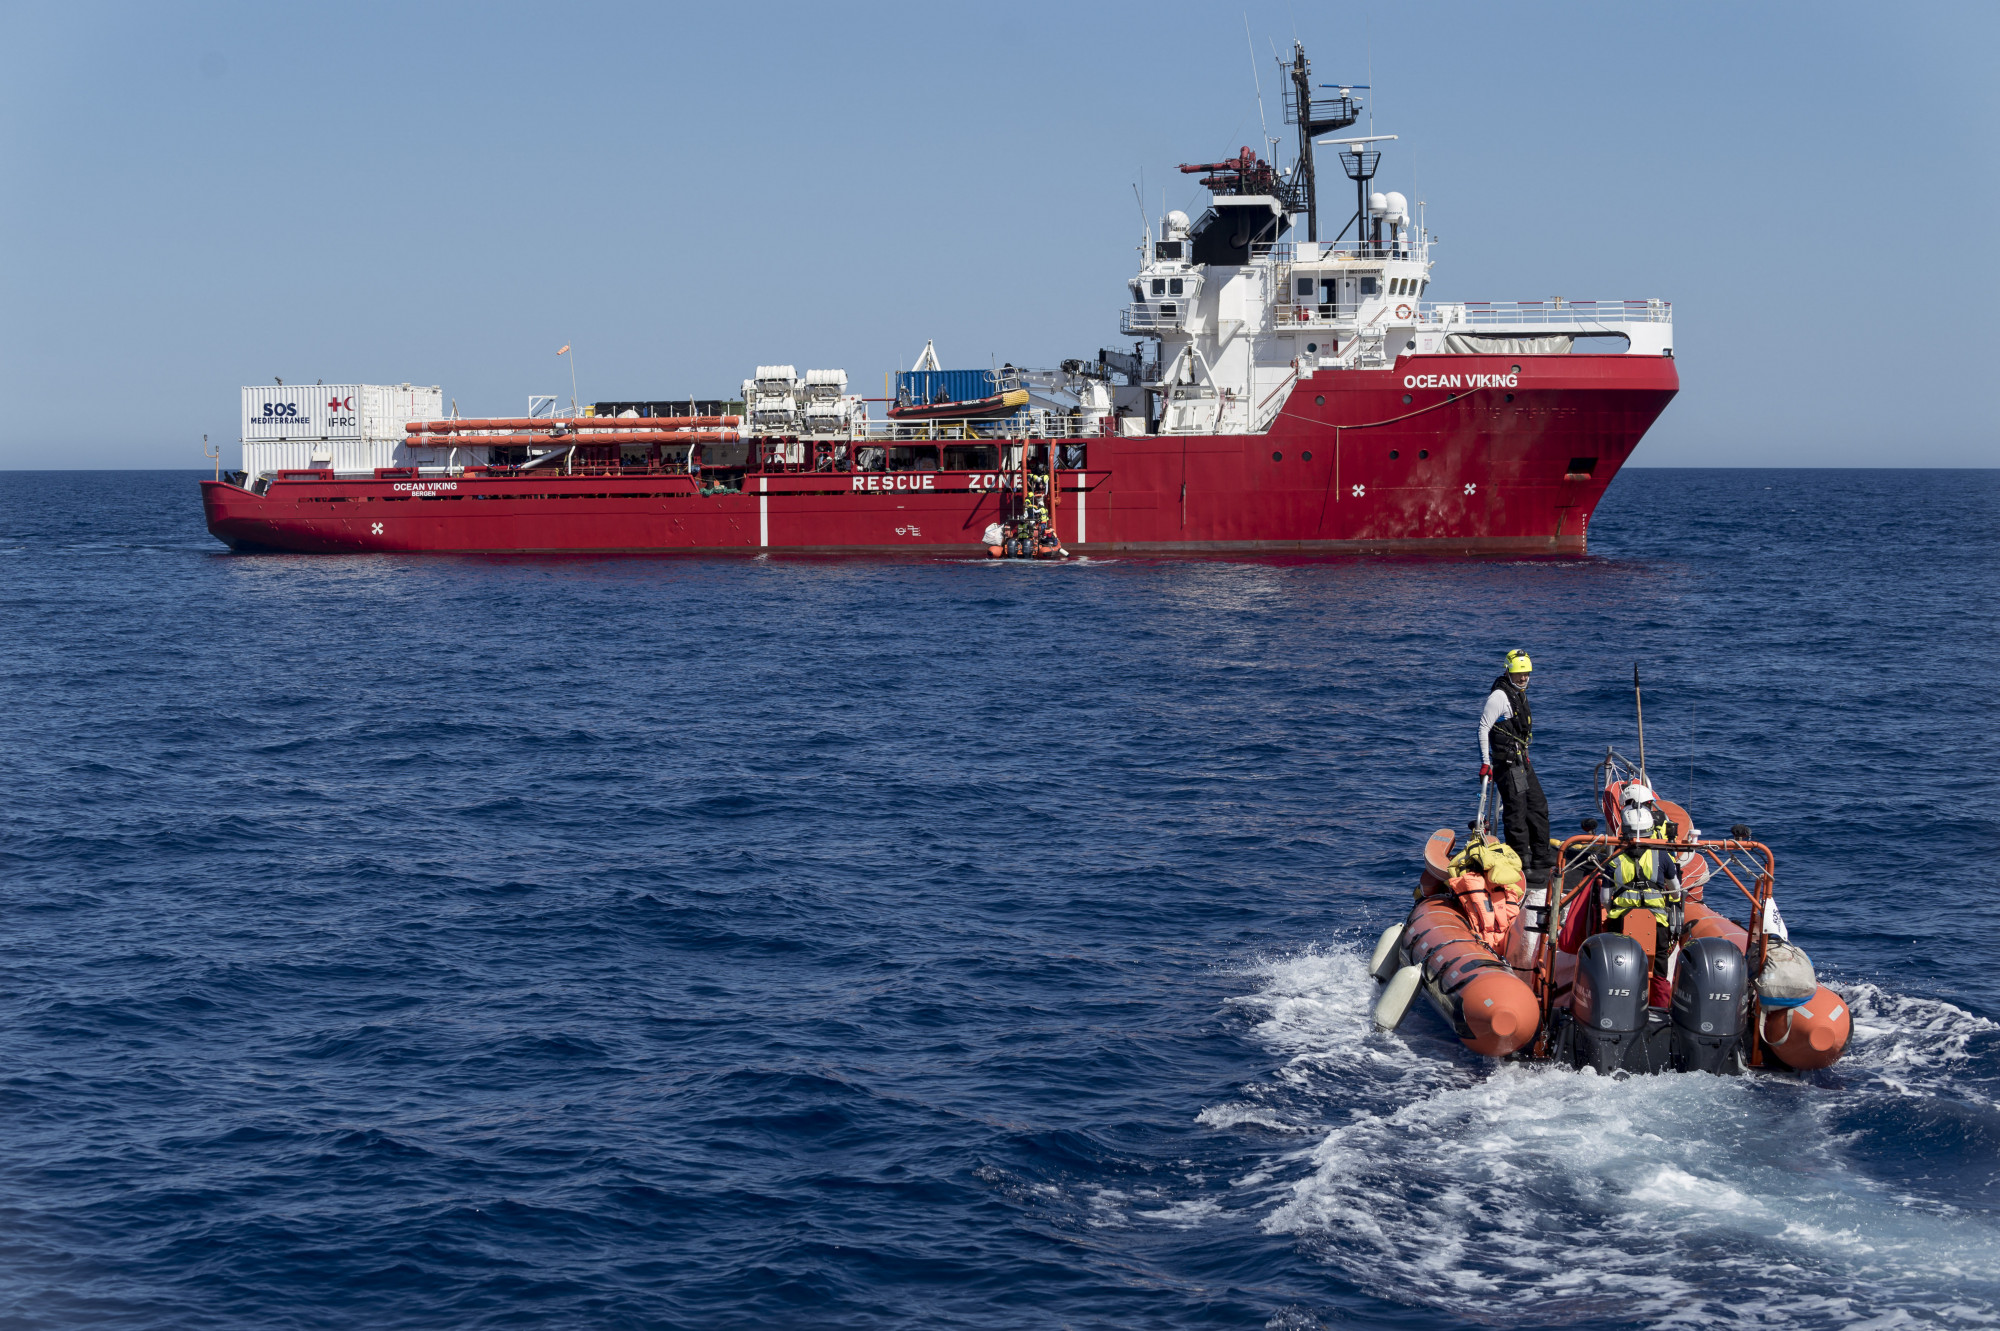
<point x="1582" y="989"/>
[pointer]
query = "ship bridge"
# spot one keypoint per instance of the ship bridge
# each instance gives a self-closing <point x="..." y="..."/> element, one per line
<point x="1242" y="308"/>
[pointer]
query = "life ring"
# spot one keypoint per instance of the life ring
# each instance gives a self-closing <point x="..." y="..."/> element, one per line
<point x="1402" y="311"/>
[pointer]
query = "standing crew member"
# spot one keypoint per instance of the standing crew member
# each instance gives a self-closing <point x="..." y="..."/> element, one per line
<point x="1505" y="730"/>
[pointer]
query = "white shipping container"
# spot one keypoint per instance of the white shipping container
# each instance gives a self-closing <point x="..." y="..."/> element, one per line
<point x="293" y="412"/>
<point x="350" y="456"/>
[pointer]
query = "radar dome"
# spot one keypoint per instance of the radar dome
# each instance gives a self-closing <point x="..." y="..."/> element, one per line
<point x="1378" y="204"/>
<point x="1399" y="207"/>
<point x="1177" y="222"/>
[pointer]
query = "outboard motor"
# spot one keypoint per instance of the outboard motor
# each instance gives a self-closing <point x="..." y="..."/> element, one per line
<point x="1608" y="1001"/>
<point x="1711" y="997"/>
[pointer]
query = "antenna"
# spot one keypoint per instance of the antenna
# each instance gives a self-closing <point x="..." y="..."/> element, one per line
<point x="1255" y="82"/>
<point x="1639" y="704"/>
<point x="1145" y="228"/>
<point x="1368" y="33"/>
<point x="572" y="379"/>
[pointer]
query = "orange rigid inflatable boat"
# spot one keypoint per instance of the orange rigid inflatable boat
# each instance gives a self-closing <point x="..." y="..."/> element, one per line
<point x="1581" y="989"/>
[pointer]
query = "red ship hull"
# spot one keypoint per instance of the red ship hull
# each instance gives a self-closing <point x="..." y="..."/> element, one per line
<point x="1445" y="454"/>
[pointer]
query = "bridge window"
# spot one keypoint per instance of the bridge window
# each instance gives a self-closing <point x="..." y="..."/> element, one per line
<point x="1305" y="286"/>
<point x="1369" y="286"/>
<point x="1159" y="286"/>
<point x="1174" y="286"/>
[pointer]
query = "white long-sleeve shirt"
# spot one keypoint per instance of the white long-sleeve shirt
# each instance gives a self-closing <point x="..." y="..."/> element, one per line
<point x="1497" y="708"/>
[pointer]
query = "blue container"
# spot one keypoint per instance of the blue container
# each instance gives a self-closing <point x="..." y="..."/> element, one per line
<point x="923" y="387"/>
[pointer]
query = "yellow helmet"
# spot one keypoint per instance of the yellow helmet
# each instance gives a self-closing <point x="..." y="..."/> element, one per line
<point x="1518" y="663"/>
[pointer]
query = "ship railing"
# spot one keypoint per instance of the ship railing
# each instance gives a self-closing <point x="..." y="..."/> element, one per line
<point x="1153" y="317"/>
<point x="1321" y="251"/>
<point x="859" y="460"/>
<point x="1320" y="315"/>
<point x="1558" y="310"/>
<point x="1023" y="425"/>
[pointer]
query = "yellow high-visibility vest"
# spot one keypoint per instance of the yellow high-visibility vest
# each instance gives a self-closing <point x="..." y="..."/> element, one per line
<point x="1642" y="884"/>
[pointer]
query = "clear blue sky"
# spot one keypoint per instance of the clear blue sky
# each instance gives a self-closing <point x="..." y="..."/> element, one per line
<point x="201" y="196"/>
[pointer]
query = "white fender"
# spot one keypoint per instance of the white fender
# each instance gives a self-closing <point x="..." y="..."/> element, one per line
<point x="1395" y="1000"/>
<point x="1383" y="964"/>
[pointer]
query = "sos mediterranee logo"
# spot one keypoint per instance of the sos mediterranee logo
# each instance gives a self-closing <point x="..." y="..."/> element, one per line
<point x="287" y="413"/>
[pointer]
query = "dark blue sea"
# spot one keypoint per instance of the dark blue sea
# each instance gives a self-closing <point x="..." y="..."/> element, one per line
<point x="842" y="943"/>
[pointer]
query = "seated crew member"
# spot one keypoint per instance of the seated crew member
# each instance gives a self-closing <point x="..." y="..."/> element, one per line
<point x="1643" y="883"/>
<point x="1640" y="795"/>
<point x="1506" y="728"/>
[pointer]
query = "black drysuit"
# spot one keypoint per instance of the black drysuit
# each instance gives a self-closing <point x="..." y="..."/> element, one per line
<point x="1505" y="729"/>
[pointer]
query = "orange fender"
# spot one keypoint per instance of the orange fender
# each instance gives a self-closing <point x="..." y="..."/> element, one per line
<point x="1500" y="1011"/>
<point x="1809" y="1036"/>
<point x="1705" y="923"/>
<point x="1492" y="1009"/>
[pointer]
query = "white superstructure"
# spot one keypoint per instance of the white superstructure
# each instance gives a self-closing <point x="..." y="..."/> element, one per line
<point x="1239" y="314"/>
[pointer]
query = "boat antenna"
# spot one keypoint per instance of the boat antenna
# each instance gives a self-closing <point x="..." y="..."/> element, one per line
<point x="1262" y="125"/>
<point x="1145" y="227"/>
<point x="1639" y="705"/>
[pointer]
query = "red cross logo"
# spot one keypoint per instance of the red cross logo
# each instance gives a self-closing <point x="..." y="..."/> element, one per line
<point x="340" y="404"/>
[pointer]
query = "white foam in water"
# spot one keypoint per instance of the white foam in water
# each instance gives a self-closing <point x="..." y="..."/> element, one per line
<point x="1911" y="1044"/>
<point x="1517" y="1193"/>
<point x="1183" y="1214"/>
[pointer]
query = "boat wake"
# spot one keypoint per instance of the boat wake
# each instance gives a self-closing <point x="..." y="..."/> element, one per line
<point x="1498" y="1193"/>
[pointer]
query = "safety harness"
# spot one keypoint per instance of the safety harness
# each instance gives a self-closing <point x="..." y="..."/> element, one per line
<point x="1510" y="736"/>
